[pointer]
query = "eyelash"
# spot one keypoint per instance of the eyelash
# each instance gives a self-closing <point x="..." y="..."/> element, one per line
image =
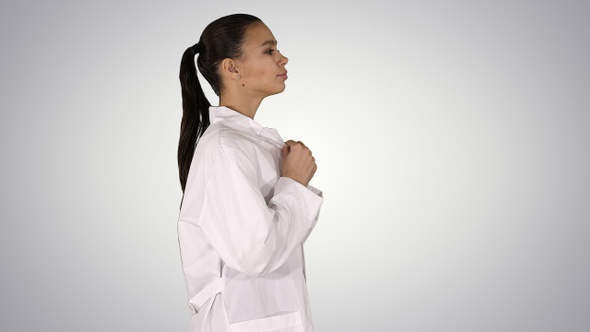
<point x="271" y="51"/>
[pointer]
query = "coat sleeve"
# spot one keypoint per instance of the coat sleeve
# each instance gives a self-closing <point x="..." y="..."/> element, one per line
<point x="251" y="235"/>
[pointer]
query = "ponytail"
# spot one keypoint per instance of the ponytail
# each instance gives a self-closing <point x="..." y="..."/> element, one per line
<point x="221" y="39"/>
<point x="195" y="112"/>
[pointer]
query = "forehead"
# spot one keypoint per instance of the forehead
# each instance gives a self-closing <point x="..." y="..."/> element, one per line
<point x="258" y="35"/>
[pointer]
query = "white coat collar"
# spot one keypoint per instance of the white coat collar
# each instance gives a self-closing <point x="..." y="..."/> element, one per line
<point x="242" y="123"/>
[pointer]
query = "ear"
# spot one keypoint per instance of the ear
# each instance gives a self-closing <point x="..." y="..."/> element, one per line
<point x="228" y="68"/>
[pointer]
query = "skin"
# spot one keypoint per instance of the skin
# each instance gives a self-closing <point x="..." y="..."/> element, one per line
<point x="260" y="72"/>
<point x="254" y="76"/>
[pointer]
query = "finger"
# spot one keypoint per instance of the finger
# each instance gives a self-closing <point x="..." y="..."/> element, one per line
<point x="290" y="143"/>
<point x="301" y="144"/>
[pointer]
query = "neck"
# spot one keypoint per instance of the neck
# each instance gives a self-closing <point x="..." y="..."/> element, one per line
<point x="241" y="104"/>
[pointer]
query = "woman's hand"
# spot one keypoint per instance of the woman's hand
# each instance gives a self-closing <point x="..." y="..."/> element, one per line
<point x="298" y="163"/>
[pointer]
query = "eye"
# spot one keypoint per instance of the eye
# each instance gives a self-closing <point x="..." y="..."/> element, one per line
<point x="270" y="51"/>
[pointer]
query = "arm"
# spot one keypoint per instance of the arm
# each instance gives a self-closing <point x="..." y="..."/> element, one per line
<point x="250" y="235"/>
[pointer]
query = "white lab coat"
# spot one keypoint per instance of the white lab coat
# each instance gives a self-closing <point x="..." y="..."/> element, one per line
<point x="241" y="231"/>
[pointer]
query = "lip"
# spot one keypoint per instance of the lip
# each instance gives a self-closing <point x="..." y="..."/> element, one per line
<point x="283" y="75"/>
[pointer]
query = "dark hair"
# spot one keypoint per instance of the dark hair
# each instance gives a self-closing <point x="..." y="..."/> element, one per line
<point x="221" y="39"/>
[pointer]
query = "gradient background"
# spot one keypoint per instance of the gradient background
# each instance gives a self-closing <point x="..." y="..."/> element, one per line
<point x="452" y="139"/>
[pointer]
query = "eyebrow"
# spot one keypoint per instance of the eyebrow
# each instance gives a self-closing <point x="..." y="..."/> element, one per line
<point x="269" y="42"/>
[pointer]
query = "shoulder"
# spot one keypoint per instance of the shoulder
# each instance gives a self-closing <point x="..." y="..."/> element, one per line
<point x="221" y="142"/>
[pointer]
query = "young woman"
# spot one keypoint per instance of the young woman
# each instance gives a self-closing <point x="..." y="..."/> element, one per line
<point x="247" y="206"/>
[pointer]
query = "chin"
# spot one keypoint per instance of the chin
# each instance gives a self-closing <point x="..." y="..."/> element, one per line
<point x="276" y="91"/>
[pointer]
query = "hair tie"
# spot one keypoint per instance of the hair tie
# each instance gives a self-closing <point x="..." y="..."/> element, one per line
<point x="195" y="48"/>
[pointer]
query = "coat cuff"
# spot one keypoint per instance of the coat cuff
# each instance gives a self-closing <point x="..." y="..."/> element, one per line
<point x="312" y="198"/>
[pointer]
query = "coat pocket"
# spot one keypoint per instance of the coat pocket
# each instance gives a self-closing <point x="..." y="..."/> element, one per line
<point x="286" y="322"/>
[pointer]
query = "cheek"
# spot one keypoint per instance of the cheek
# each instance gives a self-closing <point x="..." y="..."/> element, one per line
<point x="260" y="70"/>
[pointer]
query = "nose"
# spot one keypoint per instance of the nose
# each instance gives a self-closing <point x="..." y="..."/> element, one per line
<point x="283" y="60"/>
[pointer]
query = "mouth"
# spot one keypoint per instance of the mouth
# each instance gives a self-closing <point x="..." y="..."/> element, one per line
<point x="283" y="75"/>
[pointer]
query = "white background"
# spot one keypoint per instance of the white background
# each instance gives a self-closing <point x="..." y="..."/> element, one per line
<point x="452" y="139"/>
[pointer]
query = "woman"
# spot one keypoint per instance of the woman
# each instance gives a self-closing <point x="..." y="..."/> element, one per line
<point x="247" y="205"/>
